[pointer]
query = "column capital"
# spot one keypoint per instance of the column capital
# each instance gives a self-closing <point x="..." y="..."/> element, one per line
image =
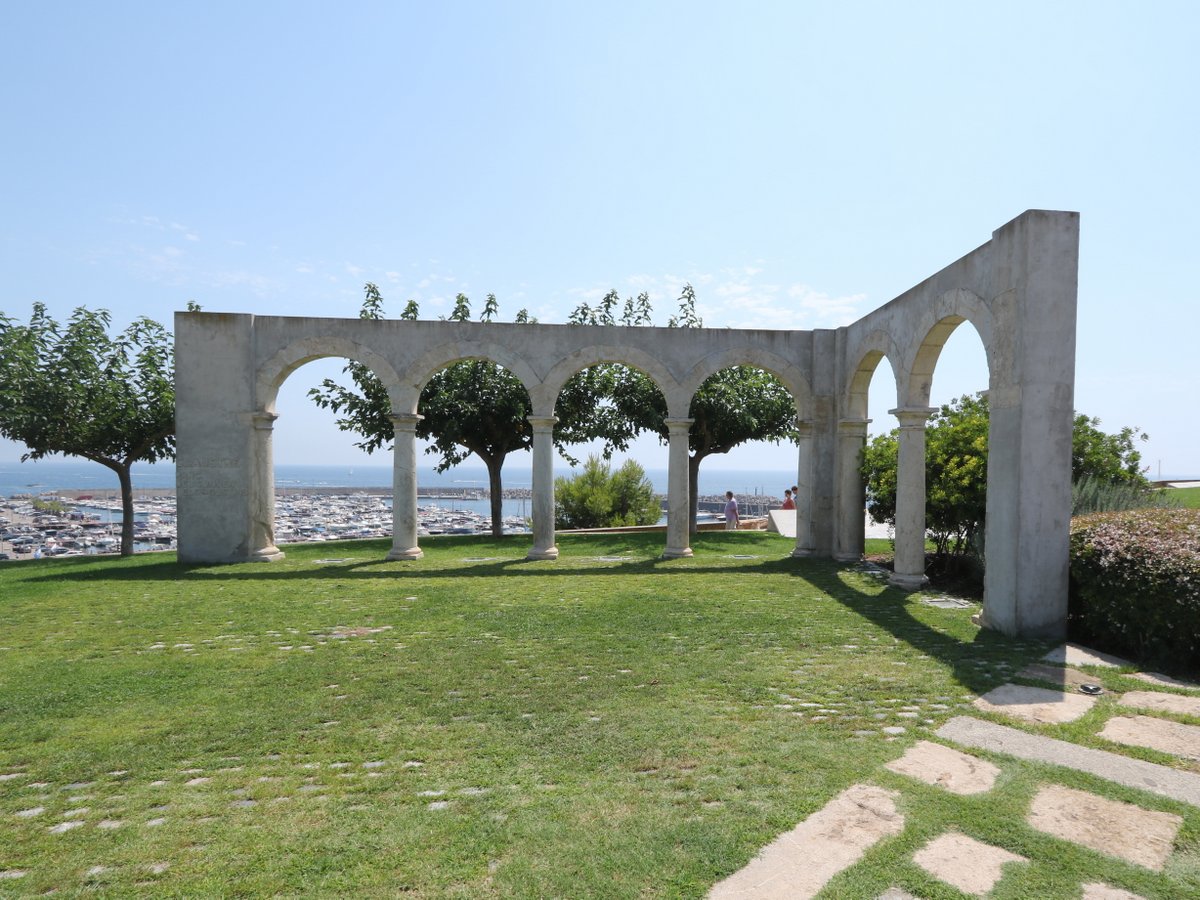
<point x="405" y="421"/>
<point x="804" y="427"/>
<point x="675" y="426"/>
<point x="263" y="421"/>
<point x="853" y="427"/>
<point x="912" y="416"/>
<point x="542" y="423"/>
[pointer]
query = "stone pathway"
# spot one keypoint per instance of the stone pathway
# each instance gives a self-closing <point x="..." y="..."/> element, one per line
<point x="800" y="863"/>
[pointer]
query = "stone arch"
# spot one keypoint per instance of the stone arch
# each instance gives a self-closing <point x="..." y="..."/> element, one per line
<point x="272" y="373"/>
<point x="408" y="392"/>
<point x="933" y="329"/>
<point x="790" y="375"/>
<point x="868" y="352"/>
<point x="547" y="393"/>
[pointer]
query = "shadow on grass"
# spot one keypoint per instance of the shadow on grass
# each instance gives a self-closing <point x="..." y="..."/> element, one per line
<point x="891" y="610"/>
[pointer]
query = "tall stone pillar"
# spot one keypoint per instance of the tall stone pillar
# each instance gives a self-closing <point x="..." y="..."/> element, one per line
<point x="262" y="495"/>
<point x="1034" y="275"/>
<point x="908" y="571"/>
<point x="679" y="503"/>
<point x="805" y="538"/>
<point x="543" y="488"/>
<point x="851" y="494"/>
<point x="404" y="488"/>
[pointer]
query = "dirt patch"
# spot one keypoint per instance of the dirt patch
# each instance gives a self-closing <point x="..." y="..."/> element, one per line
<point x="970" y="865"/>
<point x="1128" y="832"/>
<point x="1034" y="704"/>
<point x="959" y="773"/>
<point x="799" y="863"/>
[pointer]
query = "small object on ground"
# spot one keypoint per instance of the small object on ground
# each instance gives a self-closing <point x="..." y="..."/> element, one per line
<point x="1091" y="689"/>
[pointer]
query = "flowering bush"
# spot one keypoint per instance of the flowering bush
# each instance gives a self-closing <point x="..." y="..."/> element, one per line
<point x="1135" y="583"/>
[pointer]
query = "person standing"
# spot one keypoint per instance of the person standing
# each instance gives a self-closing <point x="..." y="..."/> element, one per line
<point x="788" y="502"/>
<point x="731" y="512"/>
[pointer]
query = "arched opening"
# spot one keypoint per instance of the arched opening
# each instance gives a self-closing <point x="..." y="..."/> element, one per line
<point x="951" y="371"/>
<point x="747" y="416"/>
<point x="476" y="407"/>
<point x="330" y="480"/>
<point x="609" y="412"/>
<point x="873" y="397"/>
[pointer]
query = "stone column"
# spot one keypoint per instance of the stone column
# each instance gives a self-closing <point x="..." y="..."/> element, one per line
<point x="805" y="543"/>
<point x="908" y="571"/>
<point x="262" y="495"/>
<point x="404" y="488"/>
<point x="543" y="488"/>
<point x="851" y="494"/>
<point x="679" y="503"/>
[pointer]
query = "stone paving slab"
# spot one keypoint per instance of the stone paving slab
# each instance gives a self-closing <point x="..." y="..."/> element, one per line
<point x="1159" y="702"/>
<point x="1157" y="734"/>
<point x="970" y="865"/>
<point x="1034" y="704"/>
<point x="896" y="894"/>
<point x="1096" y="891"/>
<point x="957" y="772"/>
<point x="1066" y="678"/>
<point x="799" y="863"/>
<point x="1141" y="836"/>
<point x="1166" y="681"/>
<point x="1075" y="655"/>
<point x="1134" y="773"/>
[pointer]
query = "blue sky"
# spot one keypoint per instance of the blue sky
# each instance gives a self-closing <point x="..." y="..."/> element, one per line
<point x="799" y="163"/>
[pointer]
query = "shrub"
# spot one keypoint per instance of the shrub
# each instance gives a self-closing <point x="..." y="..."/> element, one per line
<point x="599" y="498"/>
<point x="1135" y="583"/>
<point x="1092" y="494"/>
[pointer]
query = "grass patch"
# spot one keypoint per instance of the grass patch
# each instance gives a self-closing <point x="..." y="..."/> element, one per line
<point x="1188" y="498"/>
<point x="475" y="725"/>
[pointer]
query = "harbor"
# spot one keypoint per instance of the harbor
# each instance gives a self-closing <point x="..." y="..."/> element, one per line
<point x="69" y="523"/>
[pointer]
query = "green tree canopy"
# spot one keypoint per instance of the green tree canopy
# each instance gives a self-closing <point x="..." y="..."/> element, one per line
<point x="731" y="407"/>
<point x="597" y="497"/>
<point x="956" y="453"/>
<point x="470" y="407"/>
<point x="76" y="390"/>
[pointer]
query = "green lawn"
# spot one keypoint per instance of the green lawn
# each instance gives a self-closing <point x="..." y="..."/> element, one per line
<point x="474" y="725"/>
<point x="1189" y="498"/>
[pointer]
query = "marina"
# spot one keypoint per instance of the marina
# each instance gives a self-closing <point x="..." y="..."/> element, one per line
<point x="62" y="525"/>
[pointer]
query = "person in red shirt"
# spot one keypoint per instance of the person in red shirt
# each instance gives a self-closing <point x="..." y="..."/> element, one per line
<point x="788" y="502"/>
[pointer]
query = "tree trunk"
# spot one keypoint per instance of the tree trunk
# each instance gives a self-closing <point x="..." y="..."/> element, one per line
<point x="494" y="464"/>
<point x="693" y="495"/>
<point x="126" y="480"/>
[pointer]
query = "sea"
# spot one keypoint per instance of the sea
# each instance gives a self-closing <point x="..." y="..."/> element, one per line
<point x="49" y="476"/>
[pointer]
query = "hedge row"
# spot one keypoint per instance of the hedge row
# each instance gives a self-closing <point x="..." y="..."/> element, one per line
<point x="1135" y="583"/>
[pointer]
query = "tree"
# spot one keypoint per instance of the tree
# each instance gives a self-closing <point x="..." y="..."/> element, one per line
<point x="731" y="407"/>
<point x="599" y="498"/>
<point x="470" y="407"/>
<point x="956" y="452"/>
<point x="76" y="390"/>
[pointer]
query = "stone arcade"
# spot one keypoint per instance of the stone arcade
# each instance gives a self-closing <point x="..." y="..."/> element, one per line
<point x="1018" y="291"/>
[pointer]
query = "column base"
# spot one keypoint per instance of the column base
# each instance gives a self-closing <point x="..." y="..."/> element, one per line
<point x="908" y="582"/>
<point x="677" y="553"/>
<point x="803" y="553"/>
<point x="542" y="553"/>
<point x="848" y="557"/>
<point x="411" y="553"/>
<point x="267" y="554"/>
